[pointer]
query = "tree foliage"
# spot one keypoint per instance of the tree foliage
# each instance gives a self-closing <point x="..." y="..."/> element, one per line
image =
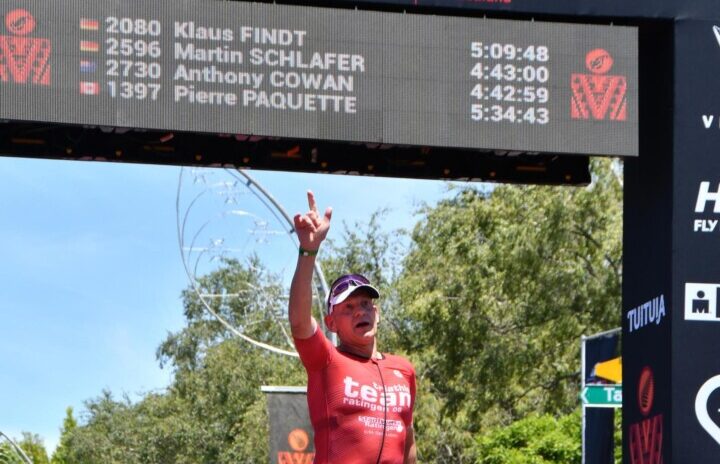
<point x="33" y="446"/>
<point x="495" y="293"/>
<point x="8" y="455"/>
<point x="536" y="439"/>
<point x="60" y="456"/>
<point x="365" y="248"/>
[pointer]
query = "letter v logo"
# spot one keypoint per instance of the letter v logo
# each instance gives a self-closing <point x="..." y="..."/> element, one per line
<point x="707" y="120"/>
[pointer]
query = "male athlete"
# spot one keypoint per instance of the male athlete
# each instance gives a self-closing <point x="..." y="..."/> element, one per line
<point x="361" y="401"/>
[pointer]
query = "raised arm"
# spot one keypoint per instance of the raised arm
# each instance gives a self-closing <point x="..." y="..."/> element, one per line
<point x="311" y="229"/>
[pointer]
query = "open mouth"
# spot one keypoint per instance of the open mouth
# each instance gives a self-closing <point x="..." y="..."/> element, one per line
<point x="362" y="325"/>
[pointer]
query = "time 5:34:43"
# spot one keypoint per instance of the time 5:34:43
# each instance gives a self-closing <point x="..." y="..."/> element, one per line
<point x="511" y="113"/>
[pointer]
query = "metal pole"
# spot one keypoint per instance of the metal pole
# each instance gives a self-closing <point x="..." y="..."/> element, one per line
<point x="583" y="339"/>
<point x="603" y="334"/>
<point x="583" y="365"/>
<point x="17" y="448"/>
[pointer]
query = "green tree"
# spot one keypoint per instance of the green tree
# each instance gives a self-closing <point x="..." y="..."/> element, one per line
<point x="495" y="293"/>
<point x="8" y="455"/>
<point x="33" y="446"/>
<point x="536" y="439"/>
<point x="366" y="248"/>
<point x="60" y="456"/>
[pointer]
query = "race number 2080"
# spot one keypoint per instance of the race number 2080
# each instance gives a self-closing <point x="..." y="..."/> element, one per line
<point x="134" y="26"/>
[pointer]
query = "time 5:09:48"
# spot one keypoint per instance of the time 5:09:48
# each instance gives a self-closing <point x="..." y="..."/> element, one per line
<point x="500" y="113"/>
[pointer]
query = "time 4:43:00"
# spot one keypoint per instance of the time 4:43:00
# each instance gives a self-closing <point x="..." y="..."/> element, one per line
<point x="510" y="72"/>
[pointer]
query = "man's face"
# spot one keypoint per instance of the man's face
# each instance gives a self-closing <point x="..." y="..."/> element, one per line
<point x="355" y="319"/>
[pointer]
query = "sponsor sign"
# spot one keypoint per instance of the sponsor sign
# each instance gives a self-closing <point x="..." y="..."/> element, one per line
<point x="646" y="436"/>
<point x="651" y="312"/>
<point x="291" y="433"/>
<point x="328" y="74"/>
<point x="701" y="302"/>
<point x="707" y="204"/>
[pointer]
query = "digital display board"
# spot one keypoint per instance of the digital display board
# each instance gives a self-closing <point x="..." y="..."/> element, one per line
<point x="318" y="73"/>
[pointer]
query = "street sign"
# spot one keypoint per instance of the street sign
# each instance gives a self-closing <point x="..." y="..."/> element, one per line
<point x="602" y="396"/>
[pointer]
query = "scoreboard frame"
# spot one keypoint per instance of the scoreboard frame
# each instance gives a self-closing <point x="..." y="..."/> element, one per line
<point x="383" y="158"/>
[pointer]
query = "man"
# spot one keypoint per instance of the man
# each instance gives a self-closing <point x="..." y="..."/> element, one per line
<point x="361" y="401"/>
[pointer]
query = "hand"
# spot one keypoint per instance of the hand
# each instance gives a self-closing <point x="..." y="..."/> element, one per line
<point x="310" y="227"/>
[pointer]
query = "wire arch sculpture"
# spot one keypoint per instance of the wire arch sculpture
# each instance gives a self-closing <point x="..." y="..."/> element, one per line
<point x="11" y="453"/>
<point x="214" y="201"/>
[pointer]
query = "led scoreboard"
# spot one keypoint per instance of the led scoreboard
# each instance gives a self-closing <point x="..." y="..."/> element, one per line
<point x="295" y="72"/>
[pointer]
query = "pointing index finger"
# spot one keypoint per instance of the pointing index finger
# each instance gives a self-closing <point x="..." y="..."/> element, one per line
<point x="311" y="201"/>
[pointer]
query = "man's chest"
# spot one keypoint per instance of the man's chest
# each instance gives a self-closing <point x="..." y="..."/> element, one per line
<point x="370" y="388"/>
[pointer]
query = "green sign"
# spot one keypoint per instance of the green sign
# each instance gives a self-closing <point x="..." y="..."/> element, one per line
<point x="602" y="396"/>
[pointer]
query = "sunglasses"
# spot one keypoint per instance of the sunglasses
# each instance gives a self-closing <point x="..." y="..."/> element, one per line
<point x="342" y="284"/>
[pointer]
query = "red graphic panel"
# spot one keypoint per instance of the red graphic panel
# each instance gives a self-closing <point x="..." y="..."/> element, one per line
<point x="286" y="457"/>
<point x="646" y="441"/>
<point x="598" y="95"/>
<point x="23" y="59"/>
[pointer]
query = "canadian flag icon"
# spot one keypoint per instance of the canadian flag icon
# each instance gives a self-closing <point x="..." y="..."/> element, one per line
<point x="89" y="88"/>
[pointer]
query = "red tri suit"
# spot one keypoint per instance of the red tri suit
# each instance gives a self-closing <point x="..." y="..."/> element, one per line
<point x="347" y="405"/>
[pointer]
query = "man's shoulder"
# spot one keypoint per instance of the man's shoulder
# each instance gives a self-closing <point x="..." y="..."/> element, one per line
<point x="398" y="361"/>
<point x="316" y="351"/>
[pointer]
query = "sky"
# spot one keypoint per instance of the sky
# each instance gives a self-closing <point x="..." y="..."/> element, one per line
<point x="92" y="270"/>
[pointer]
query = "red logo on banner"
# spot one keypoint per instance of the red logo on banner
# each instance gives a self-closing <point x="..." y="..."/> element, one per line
<point x="19" y="22"/>
<point x="646" y="391"/>
<point x="646" y="435"/>
<point x="298" y="440"/>
<point x="23" y="59"/>
<point x="598" y="95"/>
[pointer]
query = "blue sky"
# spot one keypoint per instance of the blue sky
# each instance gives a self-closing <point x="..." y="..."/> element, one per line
<point x="92" y="271"/>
